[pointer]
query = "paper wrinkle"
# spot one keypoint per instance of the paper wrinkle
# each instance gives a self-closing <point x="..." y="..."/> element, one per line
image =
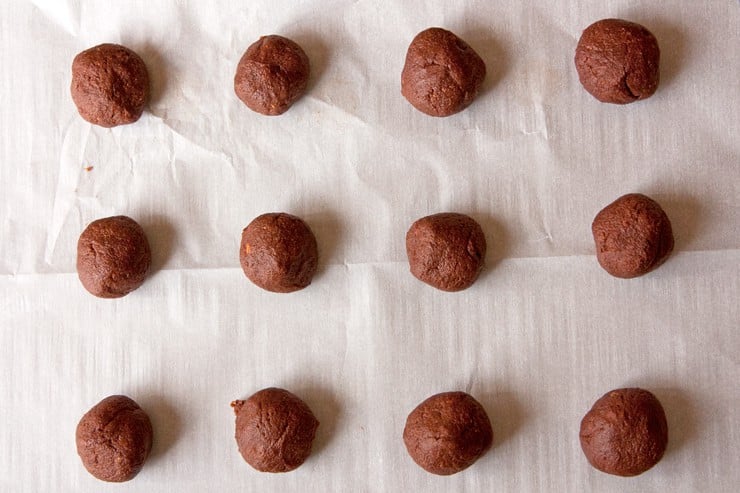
<point x="65" y="13"/>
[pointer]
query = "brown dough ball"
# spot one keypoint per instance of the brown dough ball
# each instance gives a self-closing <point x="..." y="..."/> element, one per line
<point x="110" y="85"/>
<point x="447" y="433"/>
<point x="446" y="250"/>
<point x="113" y="257"/>
<point x="625" y="433"/>
<point x="633" y="236"/>
<point x="442" y="74"/>
<point x="271" y="75"/>
<point x="114" y="439"/>
<point x="279" y="253"/>
<point x="617" y="61"/>
<point x="274" y="430"/>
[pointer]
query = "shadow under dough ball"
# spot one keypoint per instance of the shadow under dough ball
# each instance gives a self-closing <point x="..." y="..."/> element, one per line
<point x="114" y="439"/>
<point x="617" y="61"/>
<point x="274" y="430"/>
<point x="625" y="433"/>
<point x="271" y="75"/>
<point x="110" y="85"/>
<point x="633" y="236"/>
<point x="442" y="74"/>
<point x="113" y="257"/>
<point x="278" y="252"/>
<point x="447" y="433"/>
<point x="446" y="250"/>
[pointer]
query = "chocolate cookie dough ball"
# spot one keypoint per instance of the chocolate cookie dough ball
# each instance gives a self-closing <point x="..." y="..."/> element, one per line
<point x="110" y="85"/>
<point x="114" y="439"/>
<point x="442" y="74"/>
<point x="617" y="61"/>
<point x="633" y="236"/>
<point x="113" y="257"/>
<point x="447" y="433"/>
<point x="271" y="75"/>
<point x="446" y="250"/>
<point x="278" y="252"/>
<point x="625" y="433"/>
<point x="274" y="430"/>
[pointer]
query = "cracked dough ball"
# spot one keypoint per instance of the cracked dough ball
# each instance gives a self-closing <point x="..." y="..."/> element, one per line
<point x="447" y="433"/>
<point x="271" y="75"/>
<point x="633" y="236"/>
<point x="442" y="74"/>
<point x="113" y="257"/>
<point x="278" y="252"/>
<point x="110" y="85"/>
<point x="446" y="250"/>
<point x="625" y="433"/>
<point x="114" y="439"/>
<point x="274" y="430"/>
<point x="617" y="61"/>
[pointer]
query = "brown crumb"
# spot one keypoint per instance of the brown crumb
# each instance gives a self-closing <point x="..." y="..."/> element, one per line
<point x="89" y="168"/>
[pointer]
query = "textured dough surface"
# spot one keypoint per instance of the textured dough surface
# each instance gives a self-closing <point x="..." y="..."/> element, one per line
<point x="113" y="257"/>
<point x="618" y="61"/>
<point x="447" y="433"/>
<point x="442" y="73"/>
<point x="114" y="439"/>
<point x="271" y="75"/>
<point x="110" y="85"/>
<point x="274" y="430"/>
<point x="625" y="433"/>
<point x="446" y="250"/>
<point x="633" y="236"/>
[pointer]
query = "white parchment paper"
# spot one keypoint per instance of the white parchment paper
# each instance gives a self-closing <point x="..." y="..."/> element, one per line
<point x="542" y="334"/>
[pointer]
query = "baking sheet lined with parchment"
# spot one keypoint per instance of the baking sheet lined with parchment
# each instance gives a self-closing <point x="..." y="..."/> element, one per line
<point x="541" y="335"/>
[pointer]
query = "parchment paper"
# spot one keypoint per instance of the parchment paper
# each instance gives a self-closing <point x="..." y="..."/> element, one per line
<point x="542" y="334"/>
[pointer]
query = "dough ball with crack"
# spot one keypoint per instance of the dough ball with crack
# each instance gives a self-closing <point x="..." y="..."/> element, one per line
<point x="110" y="85"/>
<point x="442" y="74"/>
<point x="274" y="430"/>
<point x="617" y="61"/>
<point x="113" y="257"/>
<point x="446" y="250"/>
<point x="633" y="236"/>
<point x="271" y="75"/>
<point x="447" y="433"/>
<point x="278" y="252"/>
<point x="625" y="433"/>
<point x="114" y="439"/>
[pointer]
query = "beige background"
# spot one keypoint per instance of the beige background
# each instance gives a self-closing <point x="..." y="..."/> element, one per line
<point x="537" y="339"/>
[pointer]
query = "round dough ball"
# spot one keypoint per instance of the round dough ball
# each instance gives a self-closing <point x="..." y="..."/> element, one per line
<point x="442" y="74"/>
<point x="271" y="75"/>
<point x="274" y="430"/>
<point x="617" y="61"/>
<point x="110" y="85"/>
<point x="113" y="257"/>
<point x="447" y="433"/>
<point x="446" y="250"/>
<point x="114" y="439"/>
<point x="625" y="433"/>
<point x="633" y="236"/>
<point x="279" y="253"/>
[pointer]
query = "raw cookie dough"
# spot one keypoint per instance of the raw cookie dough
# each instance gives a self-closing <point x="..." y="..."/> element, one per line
<point x="447" y="433"/>
<point x="110" y="85"/>
<point x="442" y="74"/>
<point x="271" y="75"/>
<point x="274" y="430"/>
<point x="446" y="250"/>
<point x="633" y="236"/>
<point x="114" y="439"/>
<point x="617" y="61"/>
<point x="113" y="257"/>
<point x="625" y="433"/>
<point x="278" y="252"/>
